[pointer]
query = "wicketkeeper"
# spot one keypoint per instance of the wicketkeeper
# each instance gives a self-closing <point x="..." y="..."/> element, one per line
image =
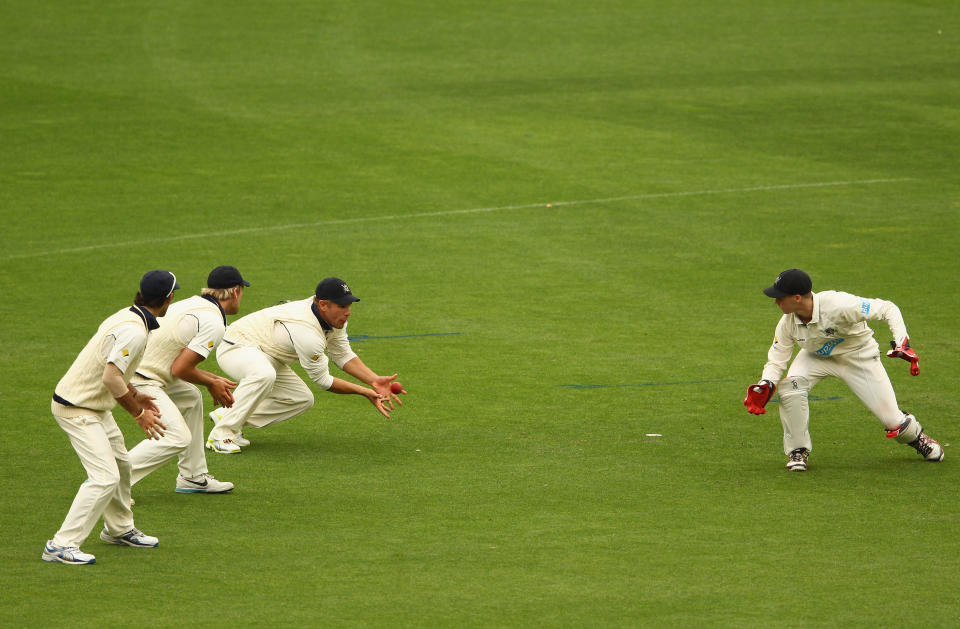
<point x="831" y="329"/>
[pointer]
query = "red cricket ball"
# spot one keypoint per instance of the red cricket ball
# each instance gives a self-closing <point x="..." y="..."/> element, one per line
<point x="396" y="387"/>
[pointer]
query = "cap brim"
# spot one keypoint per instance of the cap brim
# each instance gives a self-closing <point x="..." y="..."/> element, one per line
<point x="346" y="301"/>
<point x="773" y="291"/>
<point x="245" y="282"/>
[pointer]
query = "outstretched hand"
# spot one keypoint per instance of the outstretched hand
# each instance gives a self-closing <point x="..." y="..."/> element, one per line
<point x="382" y="386"/>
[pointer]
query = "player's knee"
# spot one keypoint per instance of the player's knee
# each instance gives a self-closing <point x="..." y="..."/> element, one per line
<point x="305" y="401"/>
<point x="180" y="438"/>
<point x="793" y="385"/>
<point x="104" y="482"/>
<point x="261" y="378"/>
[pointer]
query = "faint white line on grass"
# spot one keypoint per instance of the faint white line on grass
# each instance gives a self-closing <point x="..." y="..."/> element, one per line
<point x="394" y="217"/>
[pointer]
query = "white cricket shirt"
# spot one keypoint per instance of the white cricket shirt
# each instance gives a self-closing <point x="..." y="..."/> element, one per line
<point x="838" y="326"/>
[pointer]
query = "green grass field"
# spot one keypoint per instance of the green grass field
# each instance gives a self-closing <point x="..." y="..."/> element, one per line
<point x="558" y="217"/>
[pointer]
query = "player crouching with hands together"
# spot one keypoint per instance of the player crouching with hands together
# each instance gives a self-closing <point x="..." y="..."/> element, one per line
<point x="831" y="329"/>
<point x="258" y="349"/>
<point x="82" y="403"/>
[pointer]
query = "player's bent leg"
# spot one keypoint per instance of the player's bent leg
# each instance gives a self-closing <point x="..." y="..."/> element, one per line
<point x="795" y="414"/>
<point x="910" y="432"/>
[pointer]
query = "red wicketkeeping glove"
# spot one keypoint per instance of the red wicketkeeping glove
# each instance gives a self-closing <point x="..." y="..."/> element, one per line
<point x="904" y="352"/>
<point x="758" y="395"/>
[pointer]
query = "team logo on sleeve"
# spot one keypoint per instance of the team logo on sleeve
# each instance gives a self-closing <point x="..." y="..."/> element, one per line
<point x="210" y="344"/>
<point x="124" y="352"/>
<point x="315" y="357"/>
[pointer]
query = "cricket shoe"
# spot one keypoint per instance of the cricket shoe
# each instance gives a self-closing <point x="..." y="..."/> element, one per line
<point x="217" y="416"/>
<point x="133" y="537"/>
<point x="203" y="484"/>
<point x="71" y="555"/>
<point x="798" y="460"/>
<point x="928" y="447"/>
<point x="225" y="446"/>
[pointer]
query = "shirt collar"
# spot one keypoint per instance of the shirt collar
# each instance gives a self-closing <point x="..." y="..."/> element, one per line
<point x="323" y="323"/>
<point x="214" y="300"/>
<point x="148" y="319"/>
<point x="815" y="317"/>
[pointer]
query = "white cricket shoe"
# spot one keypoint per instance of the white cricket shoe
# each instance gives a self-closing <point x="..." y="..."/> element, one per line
<point x="217" y="416"/>
<point x="928" y="447"/>
<point x="226" y="446"/>
<point x="798" y="460"/>
<point x="71" y="555"/>
<point x="133" y="537"/>
<point x="203" y="484"/>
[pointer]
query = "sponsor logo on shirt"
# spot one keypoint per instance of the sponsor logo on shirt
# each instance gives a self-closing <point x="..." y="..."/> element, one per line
<point x="865" y="307"/>
<point x="828" y="347"/>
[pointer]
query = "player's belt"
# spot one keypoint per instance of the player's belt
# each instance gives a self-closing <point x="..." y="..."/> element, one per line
<point x="228" y="342"/>
<point x="60" y="400"/>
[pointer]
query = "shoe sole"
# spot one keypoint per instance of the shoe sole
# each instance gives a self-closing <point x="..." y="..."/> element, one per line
<point x="122" y="542"/>
<point x="55" y="559"/>
<point x="212" y="448"/>
<point x="796" y="468"/>
<point x="184" y="490"/>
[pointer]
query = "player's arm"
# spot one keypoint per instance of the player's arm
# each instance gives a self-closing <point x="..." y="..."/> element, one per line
<point x="185" y="367"/>
<point x="777" y="358"/>
<point x="118" y="351"/>
<point x="883" y="310"/>
<point x="381" y="384"/>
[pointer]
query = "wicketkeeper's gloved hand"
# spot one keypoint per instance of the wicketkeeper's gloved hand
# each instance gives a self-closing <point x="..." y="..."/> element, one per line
<point x="904" y="352"/>
<point x="758" y="395"/>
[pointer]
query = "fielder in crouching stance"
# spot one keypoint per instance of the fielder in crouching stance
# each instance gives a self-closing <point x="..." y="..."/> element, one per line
<point x="191" y="329"/>
<point x="82" y="404"/>
<point x="830" y="328"/>
<point x="257" y="350"/>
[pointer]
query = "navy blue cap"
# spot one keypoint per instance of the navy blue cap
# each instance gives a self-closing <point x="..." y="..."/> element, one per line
<point x="790" y="282"/>
<point x="336" y="290"/>
<point x="158" y="285"/>
<point x="225" y="277"/>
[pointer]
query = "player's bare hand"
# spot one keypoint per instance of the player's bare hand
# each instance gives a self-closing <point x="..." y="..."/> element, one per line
<point x="221" y="391"/>
<point x="381" y="402"/>
<point x="382" y="385"/>
<point x="151" y="424"/>
<point x="148" y="402"/>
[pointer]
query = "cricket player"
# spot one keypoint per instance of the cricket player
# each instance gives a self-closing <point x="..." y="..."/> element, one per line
<point x="188" y="333"/>
<point x="257" y="350"/>
<point x="82" y="404"/>
<point x="831" y="329"/>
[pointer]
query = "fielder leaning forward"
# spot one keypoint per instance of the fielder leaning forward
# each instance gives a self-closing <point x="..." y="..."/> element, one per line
<point x="257" y="350"/>
<point x="191" y="329"/>
<point x="831" y="329"/>
<point x="82" y="403"/>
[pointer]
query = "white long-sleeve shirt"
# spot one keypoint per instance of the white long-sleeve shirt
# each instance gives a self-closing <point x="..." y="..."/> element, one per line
<point x="838" y="326"/>
<point x="293" y="332"/>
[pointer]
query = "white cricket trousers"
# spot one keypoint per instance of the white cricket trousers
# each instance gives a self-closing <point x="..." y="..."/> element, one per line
<point x="106" y="492"/>
<point x="861" y="370"/>
<point x="267" y="392"/>
<point x="181" y="411"/>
